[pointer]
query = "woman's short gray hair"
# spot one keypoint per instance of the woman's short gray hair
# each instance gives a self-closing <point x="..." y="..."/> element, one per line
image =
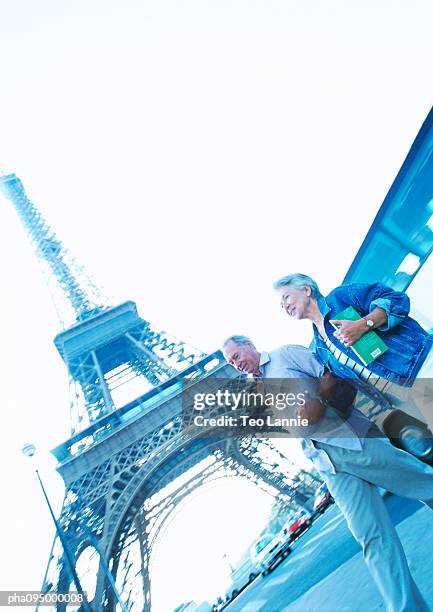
<point x="299" y="281"/>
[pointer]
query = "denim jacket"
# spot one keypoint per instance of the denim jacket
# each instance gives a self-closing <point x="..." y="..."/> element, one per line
<point x="408" y="343"/>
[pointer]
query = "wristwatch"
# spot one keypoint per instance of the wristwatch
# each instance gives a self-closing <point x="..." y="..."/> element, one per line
<point x="369" y="322"/>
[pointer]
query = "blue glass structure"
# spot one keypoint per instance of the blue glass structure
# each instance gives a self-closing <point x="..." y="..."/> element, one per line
<point x="400" y="239"/>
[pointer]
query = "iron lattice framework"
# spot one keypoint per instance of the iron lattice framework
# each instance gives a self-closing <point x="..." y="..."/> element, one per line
<point x="127" y="477"/>
<point x="112" y="355"/>
<point x="131" y="458"/>
<point x="74" y="293"/>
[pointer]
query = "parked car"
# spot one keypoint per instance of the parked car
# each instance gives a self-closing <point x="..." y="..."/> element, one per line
<point x="268" y="552"/>
<point x="295" y="526"/>
<point x="322" y="499"/>
<point x="241" y="577"/>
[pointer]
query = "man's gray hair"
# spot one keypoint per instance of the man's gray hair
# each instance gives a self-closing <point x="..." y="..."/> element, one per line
<point x="298" y="281"/>
<point x="239" y="340"/>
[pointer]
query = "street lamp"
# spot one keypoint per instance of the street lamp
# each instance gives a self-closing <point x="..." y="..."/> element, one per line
<point x="225" y="557"/>
<point x="29" y="450"/>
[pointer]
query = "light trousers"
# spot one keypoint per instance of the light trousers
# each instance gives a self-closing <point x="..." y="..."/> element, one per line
<point x="423" y="390"/>
<point x="353" y="487"/>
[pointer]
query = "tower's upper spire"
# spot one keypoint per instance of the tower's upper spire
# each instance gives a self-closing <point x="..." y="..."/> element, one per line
<point x="113" y="356"/>
<point x="75" y="295"/>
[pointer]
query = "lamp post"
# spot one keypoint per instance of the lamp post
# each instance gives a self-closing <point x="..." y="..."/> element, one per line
<point x="29" y="450"/>
<point x="225" y="557"/>
<point x="94" y="542"/>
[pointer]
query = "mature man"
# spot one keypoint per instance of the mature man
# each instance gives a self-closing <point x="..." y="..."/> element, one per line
<point x="352" y="466"/>
<point x="409" y="356"/>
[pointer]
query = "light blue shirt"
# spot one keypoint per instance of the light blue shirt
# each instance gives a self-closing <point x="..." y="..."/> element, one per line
<point x="294" y="361"/>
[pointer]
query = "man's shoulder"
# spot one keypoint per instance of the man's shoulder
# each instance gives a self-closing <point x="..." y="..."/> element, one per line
<point x="295" y="360"/>
<point x="291" y="352"/>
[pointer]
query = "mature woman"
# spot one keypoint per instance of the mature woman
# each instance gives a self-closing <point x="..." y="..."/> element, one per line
<point x="356" y="474"/>
<point x="409" y="355"/>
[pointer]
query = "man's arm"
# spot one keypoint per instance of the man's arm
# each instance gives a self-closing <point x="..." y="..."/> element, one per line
<point x="314" y="409"/>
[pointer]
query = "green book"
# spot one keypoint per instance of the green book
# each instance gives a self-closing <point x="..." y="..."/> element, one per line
<point x="370" y="346"/>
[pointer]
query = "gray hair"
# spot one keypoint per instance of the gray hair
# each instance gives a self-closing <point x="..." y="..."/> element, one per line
<point x="239" y="340"/>
<point x="298" y="281"/>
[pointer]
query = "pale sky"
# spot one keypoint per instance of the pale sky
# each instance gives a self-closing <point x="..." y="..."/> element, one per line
<point x="188" y="153"/>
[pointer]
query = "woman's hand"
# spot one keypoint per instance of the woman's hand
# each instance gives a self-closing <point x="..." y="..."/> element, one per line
<point x="350" y="331"/>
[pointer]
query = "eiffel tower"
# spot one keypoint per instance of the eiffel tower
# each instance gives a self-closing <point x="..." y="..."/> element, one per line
<point x="128" y="463"/>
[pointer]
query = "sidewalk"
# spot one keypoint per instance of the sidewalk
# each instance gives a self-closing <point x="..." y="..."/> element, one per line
<point x="350" y="588"/>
